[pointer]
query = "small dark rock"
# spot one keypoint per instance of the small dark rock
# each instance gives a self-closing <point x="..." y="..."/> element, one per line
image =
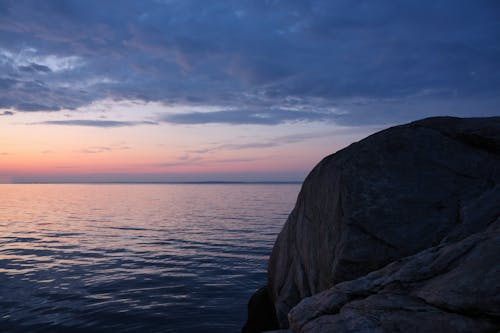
<point x="261" y="314"/>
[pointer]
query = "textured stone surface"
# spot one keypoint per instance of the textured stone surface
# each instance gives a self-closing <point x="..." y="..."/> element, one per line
<point x="452" y="287"/>
<point x="423" y="185"/>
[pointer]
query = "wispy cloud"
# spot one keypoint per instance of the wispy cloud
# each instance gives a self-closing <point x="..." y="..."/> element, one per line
<point x="283" y="140"/>
<point x="104" y="149"/>
<point x="96" y="123"/>
<point x="203" y="161"/>
<point x="31" y="60"/>
<point x="181" y="161"/>
<point x="35" y="68"/>
<point x="246" y="117"/>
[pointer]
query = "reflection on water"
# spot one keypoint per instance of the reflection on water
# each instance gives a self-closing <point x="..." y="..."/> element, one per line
<point x="135" y="258"/>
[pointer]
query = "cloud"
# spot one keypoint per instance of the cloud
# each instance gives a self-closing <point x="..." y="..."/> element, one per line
<point x="7" y="82"/>
<point x="35" y="68"/>
<point x="283" y="140"/>
<point x="202" y="161"/>
<point x="245" y="117"/>
<point x="33" y="107"/>
<point x="7" y="113"/>
<point x="96" y="123"/>
<point x="181" y="161"/>
<point x="251" y="55"/>
<point x="30" y="60"/>
<point x="57" y="63"/>
<point x="103" y="149"/>
<point x="202" y="156"/>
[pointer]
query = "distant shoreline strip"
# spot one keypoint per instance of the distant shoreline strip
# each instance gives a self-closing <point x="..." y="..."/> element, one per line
<point x="171" y="183"/>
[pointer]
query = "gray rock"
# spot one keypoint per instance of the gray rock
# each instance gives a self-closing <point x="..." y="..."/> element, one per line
<point x="452" y="287"/>
<point x="427" y="184"/>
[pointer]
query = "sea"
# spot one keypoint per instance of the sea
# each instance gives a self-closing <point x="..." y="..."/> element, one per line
<point x="135" y="257"/>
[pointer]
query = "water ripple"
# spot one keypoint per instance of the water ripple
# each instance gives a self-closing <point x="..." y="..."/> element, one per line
<point x="135" y="258"/>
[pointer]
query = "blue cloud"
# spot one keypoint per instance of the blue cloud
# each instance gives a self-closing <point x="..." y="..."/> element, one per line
<point x="245" y="117"/>
<point x="97" y="123"/>
<point x="252" y="55"/>
<point x="32" y="107"/>
<point x="35" y="68"/>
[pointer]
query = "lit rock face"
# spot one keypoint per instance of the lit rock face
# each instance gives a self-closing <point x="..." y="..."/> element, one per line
<point x="413" y="190"/>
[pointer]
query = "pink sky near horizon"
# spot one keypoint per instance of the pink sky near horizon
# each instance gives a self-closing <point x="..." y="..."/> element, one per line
<point x="33" y="151"/>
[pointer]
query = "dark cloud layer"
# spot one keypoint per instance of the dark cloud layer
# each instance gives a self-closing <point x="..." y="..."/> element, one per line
<point x="35" y="68"/>
<point x="374" y="60"/>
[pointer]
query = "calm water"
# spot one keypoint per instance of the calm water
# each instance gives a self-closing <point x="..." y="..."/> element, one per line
<point x="135" y="258"/>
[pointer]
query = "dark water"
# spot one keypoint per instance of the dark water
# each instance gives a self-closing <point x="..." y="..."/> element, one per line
<point x="135" y="258"/>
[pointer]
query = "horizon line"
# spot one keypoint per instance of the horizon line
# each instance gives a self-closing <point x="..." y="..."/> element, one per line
<point x="158" y="182"/>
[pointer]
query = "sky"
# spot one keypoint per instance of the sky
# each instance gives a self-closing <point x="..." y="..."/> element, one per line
<point x="190" y="90"/>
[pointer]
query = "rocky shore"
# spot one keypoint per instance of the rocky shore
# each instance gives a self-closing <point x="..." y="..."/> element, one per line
<point x="397" y="232"/>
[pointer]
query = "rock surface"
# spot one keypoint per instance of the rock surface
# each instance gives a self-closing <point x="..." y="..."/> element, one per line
<point x="427" y="192"/>
<point x="453" y="287"/>
<point x="261" y="315"/>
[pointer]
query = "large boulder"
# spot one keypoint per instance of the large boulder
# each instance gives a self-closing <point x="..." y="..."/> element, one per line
<point x="424" y="185"/>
